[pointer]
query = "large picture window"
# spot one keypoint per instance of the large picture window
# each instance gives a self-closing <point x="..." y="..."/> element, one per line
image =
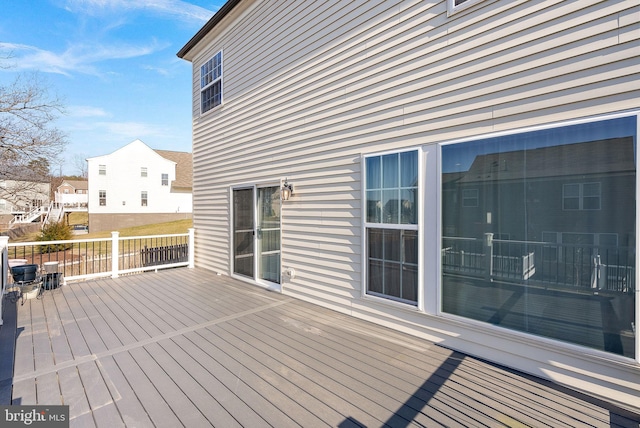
<point x="392" y="225"/>
<point x="549" y="249"/>
<point x="211" y="83"/>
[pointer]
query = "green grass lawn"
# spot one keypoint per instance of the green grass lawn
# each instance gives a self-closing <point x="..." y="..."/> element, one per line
<point x="169" y="228"/>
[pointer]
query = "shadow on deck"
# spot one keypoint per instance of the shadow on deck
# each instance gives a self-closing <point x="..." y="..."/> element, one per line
<point x="184" y="347"/>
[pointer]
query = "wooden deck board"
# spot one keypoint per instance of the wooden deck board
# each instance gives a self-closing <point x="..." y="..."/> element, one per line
<point x="234" y="380"/>
<point x="77" y="345"/>
<point x="72" y="389"/>
<point x="152" y="401"/>
<point x="467" y="381"/>
<point x="129" y="407"/>
<point x="348" y="370"/>
<point x="200" y="366"/>
<point x="185" y="347"/>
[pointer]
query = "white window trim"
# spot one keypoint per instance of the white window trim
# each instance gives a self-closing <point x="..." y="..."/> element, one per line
<point x="418" y="306"/>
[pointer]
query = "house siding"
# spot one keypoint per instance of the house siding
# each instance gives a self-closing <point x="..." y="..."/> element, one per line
<point x="308" y="87"/>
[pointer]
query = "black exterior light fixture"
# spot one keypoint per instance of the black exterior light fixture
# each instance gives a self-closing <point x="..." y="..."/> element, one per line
<point x="286" y="191"/>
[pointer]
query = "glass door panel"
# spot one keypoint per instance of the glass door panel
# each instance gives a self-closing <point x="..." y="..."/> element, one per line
<point x="269" y="234"/>
<point x="243" y="232"/>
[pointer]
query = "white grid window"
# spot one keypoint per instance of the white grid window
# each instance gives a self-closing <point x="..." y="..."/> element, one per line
<point x="211" y="83"/>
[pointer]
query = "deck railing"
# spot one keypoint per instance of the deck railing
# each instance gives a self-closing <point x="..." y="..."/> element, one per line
<point x="578" y="267"/>
<point x="81" y="259"/>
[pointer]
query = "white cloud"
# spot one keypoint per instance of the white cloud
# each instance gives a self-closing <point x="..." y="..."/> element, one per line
<point x="129" y="131"/>
<point x="75" y="59"/>
<point x="174" y="8"/>
<point x="86" y="111"/>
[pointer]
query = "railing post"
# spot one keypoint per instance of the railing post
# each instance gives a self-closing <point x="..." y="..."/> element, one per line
<point x="488" y="254"/>
<point x="4" y="254"/>
<point x="114" y="254"/>
<point x="192" y="247"/>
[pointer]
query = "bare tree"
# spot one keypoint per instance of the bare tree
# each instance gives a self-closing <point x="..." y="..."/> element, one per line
<point x="80" y="164"/>
<point x="29" y="141"/>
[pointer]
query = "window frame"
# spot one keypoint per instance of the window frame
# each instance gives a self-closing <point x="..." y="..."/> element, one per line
<point x="206" y="70"/>
<point x="144" y="198"/>
<point x="164" y="179"/>
<point x="144" y="172"/>
<point x="453" y="8"/>
<point x="581" y="196"/>
<point x="102" y="169"/>
<point x="368" y="226"/>
<point x="102" y="198"/>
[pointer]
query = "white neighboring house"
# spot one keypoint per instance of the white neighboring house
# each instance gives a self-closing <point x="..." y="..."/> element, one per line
<point x="137" y="185"/>
<point x="23" y="201"/>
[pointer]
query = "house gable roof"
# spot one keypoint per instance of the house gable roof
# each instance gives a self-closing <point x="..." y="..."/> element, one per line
<point x="76" y="184"/>
<point x="564" y="160"/>
<point x="184" y="169"/>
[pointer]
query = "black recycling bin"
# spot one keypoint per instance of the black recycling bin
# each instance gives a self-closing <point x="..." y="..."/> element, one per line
<point x="51" y="281"/>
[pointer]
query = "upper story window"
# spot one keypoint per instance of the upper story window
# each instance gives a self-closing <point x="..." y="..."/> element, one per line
<point x="457" y="5"/>
<point x="143" y="172"/>
<point x="143" y="198"/>
<point x="165" y="179"/>
<point x="581" y="196"/>
<point x="102" y="195"/>
<point x="102" y="169"/>
<point x="211" y="83"/>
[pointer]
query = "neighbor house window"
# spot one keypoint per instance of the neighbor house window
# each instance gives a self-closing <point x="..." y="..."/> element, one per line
<point x="550" y="247"/>
<point x="470" y="198"/>
<point x="165" y="179"/>
<point x="143" y="198"/>
<point x="102" y="169"/>
<point x="143" y="172"/>
<point x="102" y="196"/>
<point x="581" y="196"/>
<point x="392" y="225"/>
<point x="211" y="83"/>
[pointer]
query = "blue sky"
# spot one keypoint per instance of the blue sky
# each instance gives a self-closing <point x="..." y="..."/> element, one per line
<point x="112" y="63"/>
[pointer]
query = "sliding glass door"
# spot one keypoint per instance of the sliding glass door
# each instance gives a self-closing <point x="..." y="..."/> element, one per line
<point x="243" y="232"/>
<point x="256" y="233"/>
<point x="268" y="247"/>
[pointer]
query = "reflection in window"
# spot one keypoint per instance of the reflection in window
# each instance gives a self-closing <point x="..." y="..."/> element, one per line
<point x="392" y="240"/>
<point x="565" y="198"/>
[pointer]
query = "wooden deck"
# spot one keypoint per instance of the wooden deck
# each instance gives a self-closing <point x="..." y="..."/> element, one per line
<point x="184" y="347"/>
